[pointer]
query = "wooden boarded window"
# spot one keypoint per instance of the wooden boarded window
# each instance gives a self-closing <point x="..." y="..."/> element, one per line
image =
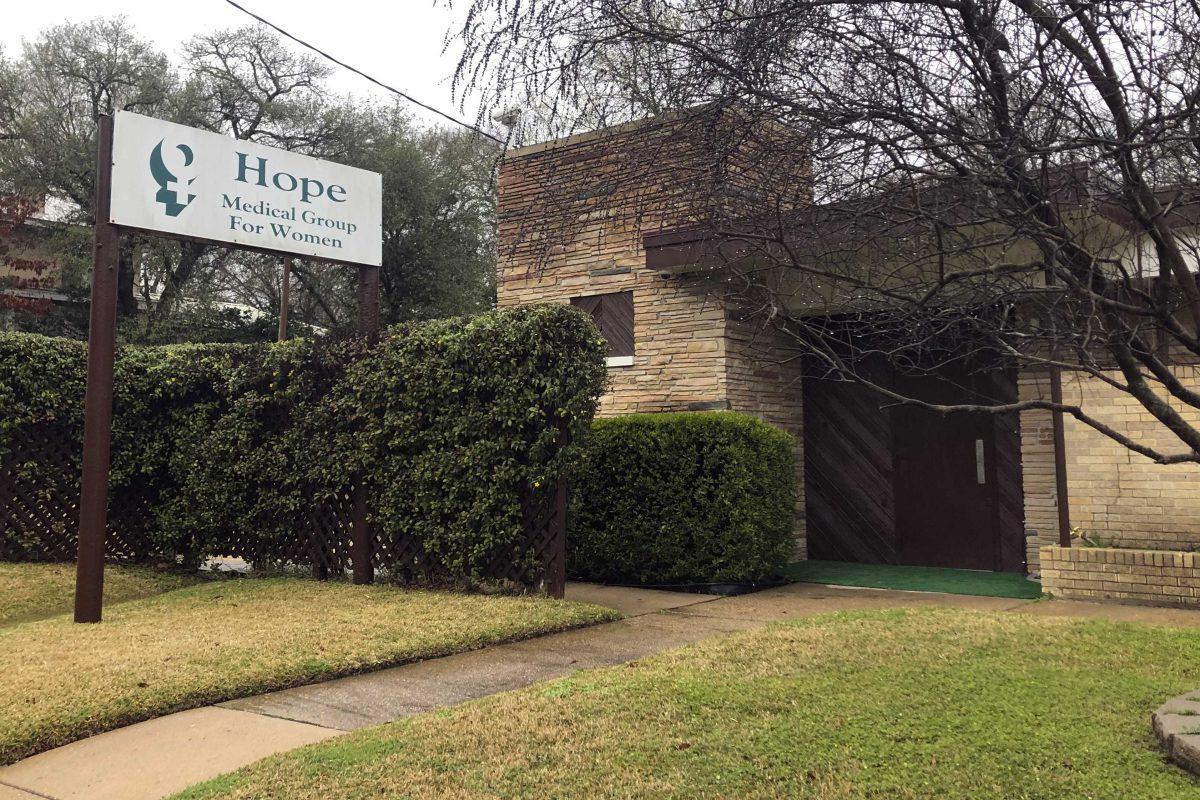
<point x="613" y="314"/>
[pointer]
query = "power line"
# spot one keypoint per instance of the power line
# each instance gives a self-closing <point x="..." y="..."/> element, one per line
<point x="356" y="71"/>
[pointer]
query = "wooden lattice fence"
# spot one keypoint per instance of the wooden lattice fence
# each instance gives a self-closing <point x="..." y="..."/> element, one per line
<point x="39" y="502"/>
<point x="455" y="429"/>
<point x="39" y="516"/>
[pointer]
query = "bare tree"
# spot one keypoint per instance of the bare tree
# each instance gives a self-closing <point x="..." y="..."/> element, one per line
<point x="934" y="182"/>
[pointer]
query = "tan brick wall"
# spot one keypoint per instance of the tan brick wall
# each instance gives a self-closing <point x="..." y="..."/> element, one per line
<point x="1116" y="496"/>
<point x="1037" y="468"/>
<point x="1142" y="577"/>
<point x="553" y="245"/>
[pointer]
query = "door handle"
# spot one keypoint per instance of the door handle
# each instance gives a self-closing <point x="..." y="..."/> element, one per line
<point x="980" y="469"/>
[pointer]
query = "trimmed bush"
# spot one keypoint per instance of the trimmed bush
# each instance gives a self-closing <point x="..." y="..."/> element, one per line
<point x="681" y="498"/>
<point x="457" y="419"/>
<point x="245" y="469"/>
<point x="458" y="425"/>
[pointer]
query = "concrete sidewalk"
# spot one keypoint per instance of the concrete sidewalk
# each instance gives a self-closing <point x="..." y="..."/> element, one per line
<point x="161" y="756"/>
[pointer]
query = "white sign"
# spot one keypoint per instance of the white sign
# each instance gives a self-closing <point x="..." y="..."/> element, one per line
<point x="187" y="182"/>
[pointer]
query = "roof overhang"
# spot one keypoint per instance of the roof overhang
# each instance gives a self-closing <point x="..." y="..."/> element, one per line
<point x="684" y="251"/>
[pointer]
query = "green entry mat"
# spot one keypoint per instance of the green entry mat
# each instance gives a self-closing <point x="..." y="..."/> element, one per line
<point x="920" y="579"/>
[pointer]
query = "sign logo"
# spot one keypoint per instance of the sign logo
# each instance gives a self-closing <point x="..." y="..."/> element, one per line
<point x="171" y="188"/>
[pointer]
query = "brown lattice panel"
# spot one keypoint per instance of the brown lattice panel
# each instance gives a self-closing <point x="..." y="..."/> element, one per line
<point x="39" y="517"/>
<point x="39" y="502"/>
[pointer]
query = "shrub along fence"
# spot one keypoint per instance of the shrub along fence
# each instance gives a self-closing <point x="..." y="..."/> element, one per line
<point x="460" y="429"/>
<point x="688" y="498"/>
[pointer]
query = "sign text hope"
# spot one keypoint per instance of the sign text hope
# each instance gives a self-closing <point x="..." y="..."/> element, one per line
<point x="310" y="188"/>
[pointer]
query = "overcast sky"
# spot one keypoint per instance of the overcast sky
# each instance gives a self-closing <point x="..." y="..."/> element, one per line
<point x="399" y="41"/>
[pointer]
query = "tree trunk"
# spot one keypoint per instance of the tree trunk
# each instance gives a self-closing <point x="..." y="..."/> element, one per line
<point x="126" y="300"/>
<point x="189" y="257"/>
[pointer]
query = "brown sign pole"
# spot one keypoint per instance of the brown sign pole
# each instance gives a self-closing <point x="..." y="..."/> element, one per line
<point x="97" y="403"/>
<point x="362" y="538"/>
<point x="285" y="291"/>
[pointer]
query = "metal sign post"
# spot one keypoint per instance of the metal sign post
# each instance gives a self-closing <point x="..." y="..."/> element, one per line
<point x="97" y="403"/>
<point x="159" y="178"/>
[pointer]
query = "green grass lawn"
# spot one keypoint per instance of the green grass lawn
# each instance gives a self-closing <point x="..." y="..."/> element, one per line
<point x="29" y="591"/>
<point x="218" y="640"/>
<point x="894" y="704"/>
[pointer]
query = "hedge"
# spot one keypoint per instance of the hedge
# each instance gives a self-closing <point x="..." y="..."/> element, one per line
<point x="681" y="498"/>
<point x="222" y="449"/>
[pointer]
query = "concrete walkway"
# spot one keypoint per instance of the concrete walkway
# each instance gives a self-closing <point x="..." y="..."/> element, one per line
<point x="156" y="758"/>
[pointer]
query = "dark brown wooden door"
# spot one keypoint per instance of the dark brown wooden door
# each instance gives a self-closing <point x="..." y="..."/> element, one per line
<point x="848" y="495"/>
<point x="945" y="484"/>
<point x="888" y="484"/>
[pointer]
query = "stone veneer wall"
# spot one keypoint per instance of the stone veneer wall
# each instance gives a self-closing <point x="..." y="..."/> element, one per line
<point x="566" y="230"/>
<point x="688" y="354"/>
<point x="1141" y="577"/>
<point x="1116" y="496"/>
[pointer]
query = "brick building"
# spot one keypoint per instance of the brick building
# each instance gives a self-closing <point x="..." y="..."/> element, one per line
<point x="571" y="231"/>
<point x="31" y="275"/>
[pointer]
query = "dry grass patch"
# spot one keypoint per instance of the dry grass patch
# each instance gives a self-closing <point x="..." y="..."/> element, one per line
<point x="30" y="591"/>
<point x="930" y="703"/>
<point x="60" y="681"/>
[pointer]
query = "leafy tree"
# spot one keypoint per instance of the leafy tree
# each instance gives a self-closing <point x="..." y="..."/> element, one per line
<point x="243" y="82"/>
<point x="52" y="97"/>
<point x="438" y="209"/>
<point x="438" y="251"/>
